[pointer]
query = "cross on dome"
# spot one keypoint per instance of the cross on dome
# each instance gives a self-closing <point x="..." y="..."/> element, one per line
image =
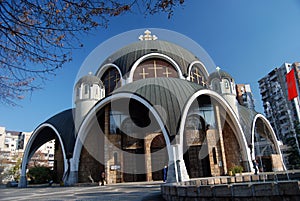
<point x="147" y="36"/>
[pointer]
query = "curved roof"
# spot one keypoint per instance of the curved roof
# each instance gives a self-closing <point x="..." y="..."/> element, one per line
<point x="126" y="56"/>
<point x="220" y="74"/>
<point x="89" y="79"/>
<point x="171" y="94"/>
<point x="246" y="117"/>
<point x="64" y="124"/>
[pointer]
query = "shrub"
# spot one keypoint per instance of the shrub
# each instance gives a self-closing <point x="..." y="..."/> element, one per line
<point x="236" y="169"/>
<point x="40" y="174"/>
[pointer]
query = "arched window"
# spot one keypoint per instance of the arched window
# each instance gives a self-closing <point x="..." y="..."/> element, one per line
<point x="154" y="68"/>
<point x="111" y="80"/>
<point x="197" y="76"/>
<point x="86" y="89"/>
<point x="78" y="92"/>
<point x="226" y="84"/>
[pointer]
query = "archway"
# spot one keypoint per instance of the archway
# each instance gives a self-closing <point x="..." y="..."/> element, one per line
<point x="265" y="148"/>
<point x="220" y="113"/>
<point x="196" y="156"/>
<point x="120" y="147"/>
<point x="159" y="156"/>
<point x="43" y="134"/>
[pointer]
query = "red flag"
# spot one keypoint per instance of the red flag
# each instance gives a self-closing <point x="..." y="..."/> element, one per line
<point x="291" y="84"/>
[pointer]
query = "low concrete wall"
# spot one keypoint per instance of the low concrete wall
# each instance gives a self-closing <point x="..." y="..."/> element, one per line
<point x="263" y="187"/>
<point x="287" y="191"/>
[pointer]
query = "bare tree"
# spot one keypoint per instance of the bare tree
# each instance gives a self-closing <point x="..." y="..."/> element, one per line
<point x="37" y="36"/>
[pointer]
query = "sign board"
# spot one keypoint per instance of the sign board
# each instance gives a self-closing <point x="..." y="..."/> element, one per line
<point x="115" y="167"/>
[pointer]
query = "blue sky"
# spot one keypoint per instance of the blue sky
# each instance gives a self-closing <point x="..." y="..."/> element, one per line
<point x="245" y="38"/>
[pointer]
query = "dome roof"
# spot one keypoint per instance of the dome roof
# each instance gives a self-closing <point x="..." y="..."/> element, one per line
<point x="220" y="74"/>
<point x="89" y="79"/>
<point x="126" y="56"/>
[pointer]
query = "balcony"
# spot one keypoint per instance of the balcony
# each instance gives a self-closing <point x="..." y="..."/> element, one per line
<point x="273" y="77"/>
<point x="282" y="117"/>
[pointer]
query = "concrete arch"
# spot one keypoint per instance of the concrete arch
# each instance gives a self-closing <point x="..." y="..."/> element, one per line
<point x="154" y="55"/>
<point x="272" y="133"/>
<point x="87" y="123"/>
<point x="27" y="154"/>
<point x="240" y="134"/>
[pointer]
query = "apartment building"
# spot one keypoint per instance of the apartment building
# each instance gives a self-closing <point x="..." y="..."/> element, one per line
<point x="282" y="111"/>
<point x="12" y="147"/>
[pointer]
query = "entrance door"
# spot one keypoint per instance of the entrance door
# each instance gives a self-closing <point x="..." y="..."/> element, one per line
<point x="159" y="157"/>
<point x="196" y="167"/>
<point x="265" y="164"/>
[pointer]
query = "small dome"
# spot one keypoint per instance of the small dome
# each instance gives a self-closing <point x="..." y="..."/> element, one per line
<point x="220" y="74"/>
<point x="89" y="79"/>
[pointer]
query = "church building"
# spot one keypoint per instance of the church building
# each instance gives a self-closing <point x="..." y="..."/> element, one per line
<point x="149" y="105"/>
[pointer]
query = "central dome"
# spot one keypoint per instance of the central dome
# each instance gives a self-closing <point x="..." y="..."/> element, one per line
<point x="128" y="55"/>
<point x="150" y="58"/>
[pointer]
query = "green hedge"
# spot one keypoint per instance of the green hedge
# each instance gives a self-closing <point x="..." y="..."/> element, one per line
<point x="40" y="175"/>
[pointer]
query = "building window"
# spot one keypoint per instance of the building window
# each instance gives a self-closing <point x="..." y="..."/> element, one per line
<point x="154" y="68"/>
<point x="196" y="75"/>
<point x="214" y="155"/>
<point x="78" y="92"/>
<point x="86" y="89"/>
<point x="111" y="80"/>
<point x="116" y="119"/>
<point x="226" y="84"/>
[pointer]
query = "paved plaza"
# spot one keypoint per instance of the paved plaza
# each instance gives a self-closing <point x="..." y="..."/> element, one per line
<point x="124" y="192"/>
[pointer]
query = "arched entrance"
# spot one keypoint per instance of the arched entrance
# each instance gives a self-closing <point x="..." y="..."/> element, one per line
<point x="196" y="149"/>
<point x="43" y="134"/>
<point x="159" y="157"/>
<point x="125" y="149"/>
<point x="218" y="116"/>
<point x="266" y="150"/>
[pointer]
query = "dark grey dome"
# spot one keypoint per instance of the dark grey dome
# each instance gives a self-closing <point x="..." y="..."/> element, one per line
<point x="89" y="79"/>
<point x="126" y="56"/>
<point x="220" y="74"/>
